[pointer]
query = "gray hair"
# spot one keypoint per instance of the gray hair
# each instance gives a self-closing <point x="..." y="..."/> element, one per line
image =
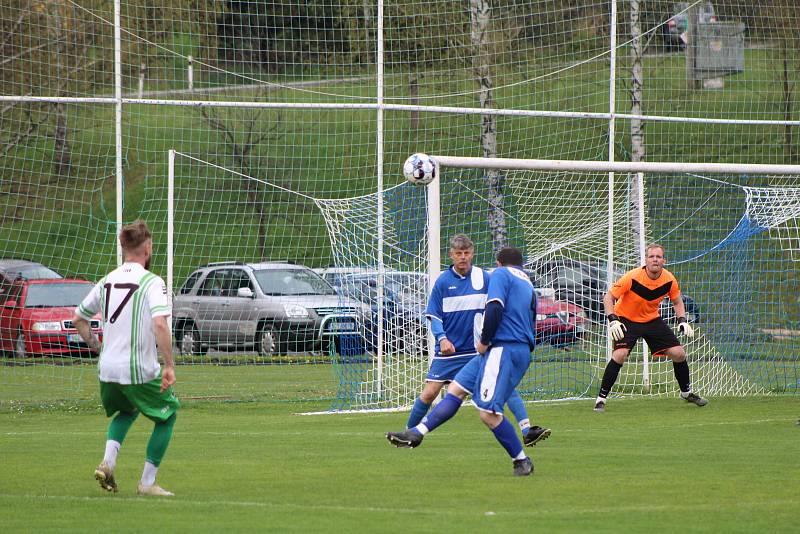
<point x="461" y="242"/>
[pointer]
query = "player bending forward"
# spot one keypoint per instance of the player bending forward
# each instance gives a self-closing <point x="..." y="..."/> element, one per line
<point x="455" y="312"/>
<point x="505" y="345"/>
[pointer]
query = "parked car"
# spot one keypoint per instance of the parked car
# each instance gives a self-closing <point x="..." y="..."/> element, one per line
<point x="11" y="269"/>
<point x="559" y="323"/>
<point x="678" y="24"/>
<point x="36" y="318"/>
<point x="275" y="307"/>
<point x="404" y="301"/>
<point x="336" y="276"/>
<point x="584" y="283"/>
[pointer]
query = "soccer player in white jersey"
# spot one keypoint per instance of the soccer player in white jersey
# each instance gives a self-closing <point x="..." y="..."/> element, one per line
<point x="506" y="340"/>
<point x="455" y="315"/>
<point x="135" y="309"/>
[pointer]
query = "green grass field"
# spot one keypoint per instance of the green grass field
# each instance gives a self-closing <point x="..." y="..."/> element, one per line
<point x="646" y="465"/>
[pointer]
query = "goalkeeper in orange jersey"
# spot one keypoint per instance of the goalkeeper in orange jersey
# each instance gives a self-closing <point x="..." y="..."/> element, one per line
<point x="632" y="310"/>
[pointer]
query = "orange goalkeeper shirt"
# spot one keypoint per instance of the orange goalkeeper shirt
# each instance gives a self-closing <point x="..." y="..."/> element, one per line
<point x="638" y="296"/>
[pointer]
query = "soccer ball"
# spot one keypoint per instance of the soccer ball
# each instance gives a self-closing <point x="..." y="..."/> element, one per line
<point x="420" y="169"/>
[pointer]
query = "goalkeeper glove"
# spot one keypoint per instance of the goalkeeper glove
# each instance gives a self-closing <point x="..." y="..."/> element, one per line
<point x="615" y="327"/>
<point x="684" y="327"/>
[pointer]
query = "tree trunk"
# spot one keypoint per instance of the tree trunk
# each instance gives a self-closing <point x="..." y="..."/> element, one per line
<point x="692" y="82"/>
<point x="788" y="141"/>
<point x="254" y="197"/>
<point x="366" y="9"/>
<point x="413" y="99"/>
<point x="62" y="156"/>
<point x="61" y="150"/>
<point x="637" y="128"/>
<point x="480" y="16"/>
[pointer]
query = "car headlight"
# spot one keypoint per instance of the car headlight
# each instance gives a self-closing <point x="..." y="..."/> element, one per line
<point x="295" y="311"/>
<point x="46" y="325"/>
<point x="541" y="317"/>
<point x="581" y="314"/>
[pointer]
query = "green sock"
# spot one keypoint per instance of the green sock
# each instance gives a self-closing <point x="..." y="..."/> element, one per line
<point x="159" y="440"/>
<point x="119" y="426"/>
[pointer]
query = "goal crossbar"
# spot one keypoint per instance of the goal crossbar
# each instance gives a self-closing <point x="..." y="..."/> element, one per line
<point x="613" y="166"/>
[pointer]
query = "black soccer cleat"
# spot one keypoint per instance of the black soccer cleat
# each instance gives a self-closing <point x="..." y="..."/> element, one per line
<point x="523" y="468"/>
<point x="694" y="398"/>
<point x="600" y="407"/>
<point x="535" y="435"/>
<point x="407" y="439"/>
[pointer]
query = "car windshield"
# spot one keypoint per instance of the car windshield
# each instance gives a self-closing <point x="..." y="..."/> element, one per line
<point x="34" y="272"/>
<point x="406" y="287"/>
<point x="276" y="282"/>
<point x="56" y="295"/>
<point x="409" y="286"/>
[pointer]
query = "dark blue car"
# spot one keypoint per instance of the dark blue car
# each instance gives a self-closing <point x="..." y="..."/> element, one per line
<point x="403" y="310"/>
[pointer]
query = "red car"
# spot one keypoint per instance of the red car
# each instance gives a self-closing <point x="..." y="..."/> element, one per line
<point x="36" y="318"/>
<point x="558" y="323"/>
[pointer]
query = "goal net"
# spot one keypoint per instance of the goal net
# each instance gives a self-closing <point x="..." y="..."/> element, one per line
<point x="293" y="119"/>
<point x="730" y="239"/>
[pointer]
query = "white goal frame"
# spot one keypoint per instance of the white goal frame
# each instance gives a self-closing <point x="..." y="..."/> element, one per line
<point x="610" y="167"/>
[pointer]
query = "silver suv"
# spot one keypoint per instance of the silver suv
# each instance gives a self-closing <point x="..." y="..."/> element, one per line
<point x="275" y="307"/>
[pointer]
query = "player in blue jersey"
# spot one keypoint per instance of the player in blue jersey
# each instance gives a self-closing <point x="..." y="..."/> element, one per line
<point x="506" y="340"/>
<point x="455" y="313"/>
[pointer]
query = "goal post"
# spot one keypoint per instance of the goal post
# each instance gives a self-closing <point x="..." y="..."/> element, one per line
<point x="681" y="201"/>
<point x="731" y="238"/>
<point x="730" y="234"/>
<point x="511" y="164"/>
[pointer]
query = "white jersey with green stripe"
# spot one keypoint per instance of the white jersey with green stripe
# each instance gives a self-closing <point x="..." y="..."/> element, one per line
<point x="128" y="299"/>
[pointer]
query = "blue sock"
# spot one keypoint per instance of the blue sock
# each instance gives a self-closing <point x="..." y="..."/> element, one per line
<point x="443" y="411"/>
<point x="507" y="436"/>
<point x="517" y="407"/>
<point x="417" y="413"/>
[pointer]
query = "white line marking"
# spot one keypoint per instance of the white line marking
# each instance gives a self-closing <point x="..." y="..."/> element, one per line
<point x="305" y="506"/>
<point x="283" y="432"/>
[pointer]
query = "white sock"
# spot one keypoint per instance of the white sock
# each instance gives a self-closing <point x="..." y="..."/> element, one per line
<point x="422" y="429"/>
<point x="525" y="423"/>
<point x="600" y="399"/>
<point x="149" y="474"/>
<point x="521" y="455"/>
<point x="685" y="394"/>
<point x="112" y="449"/>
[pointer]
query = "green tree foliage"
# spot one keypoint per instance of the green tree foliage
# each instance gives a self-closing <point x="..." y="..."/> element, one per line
<point x="156" y="30"/>
<point x="271" y="36"/>
<point x="47" y="49"/>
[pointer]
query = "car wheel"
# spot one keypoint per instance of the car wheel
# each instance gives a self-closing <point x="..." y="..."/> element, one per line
<point x="266" y="341"/>
<point x="189" y="342"/>
<point x="20" y="349"/>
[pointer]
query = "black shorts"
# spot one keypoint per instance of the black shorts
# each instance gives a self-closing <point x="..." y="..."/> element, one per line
<point x="656" y="333"/>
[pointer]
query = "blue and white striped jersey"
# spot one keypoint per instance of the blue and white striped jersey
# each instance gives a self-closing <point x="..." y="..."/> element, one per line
<point x="457" y="302"/>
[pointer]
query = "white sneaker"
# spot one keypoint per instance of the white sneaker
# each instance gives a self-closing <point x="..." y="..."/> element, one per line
<point x="154" y="491"/>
